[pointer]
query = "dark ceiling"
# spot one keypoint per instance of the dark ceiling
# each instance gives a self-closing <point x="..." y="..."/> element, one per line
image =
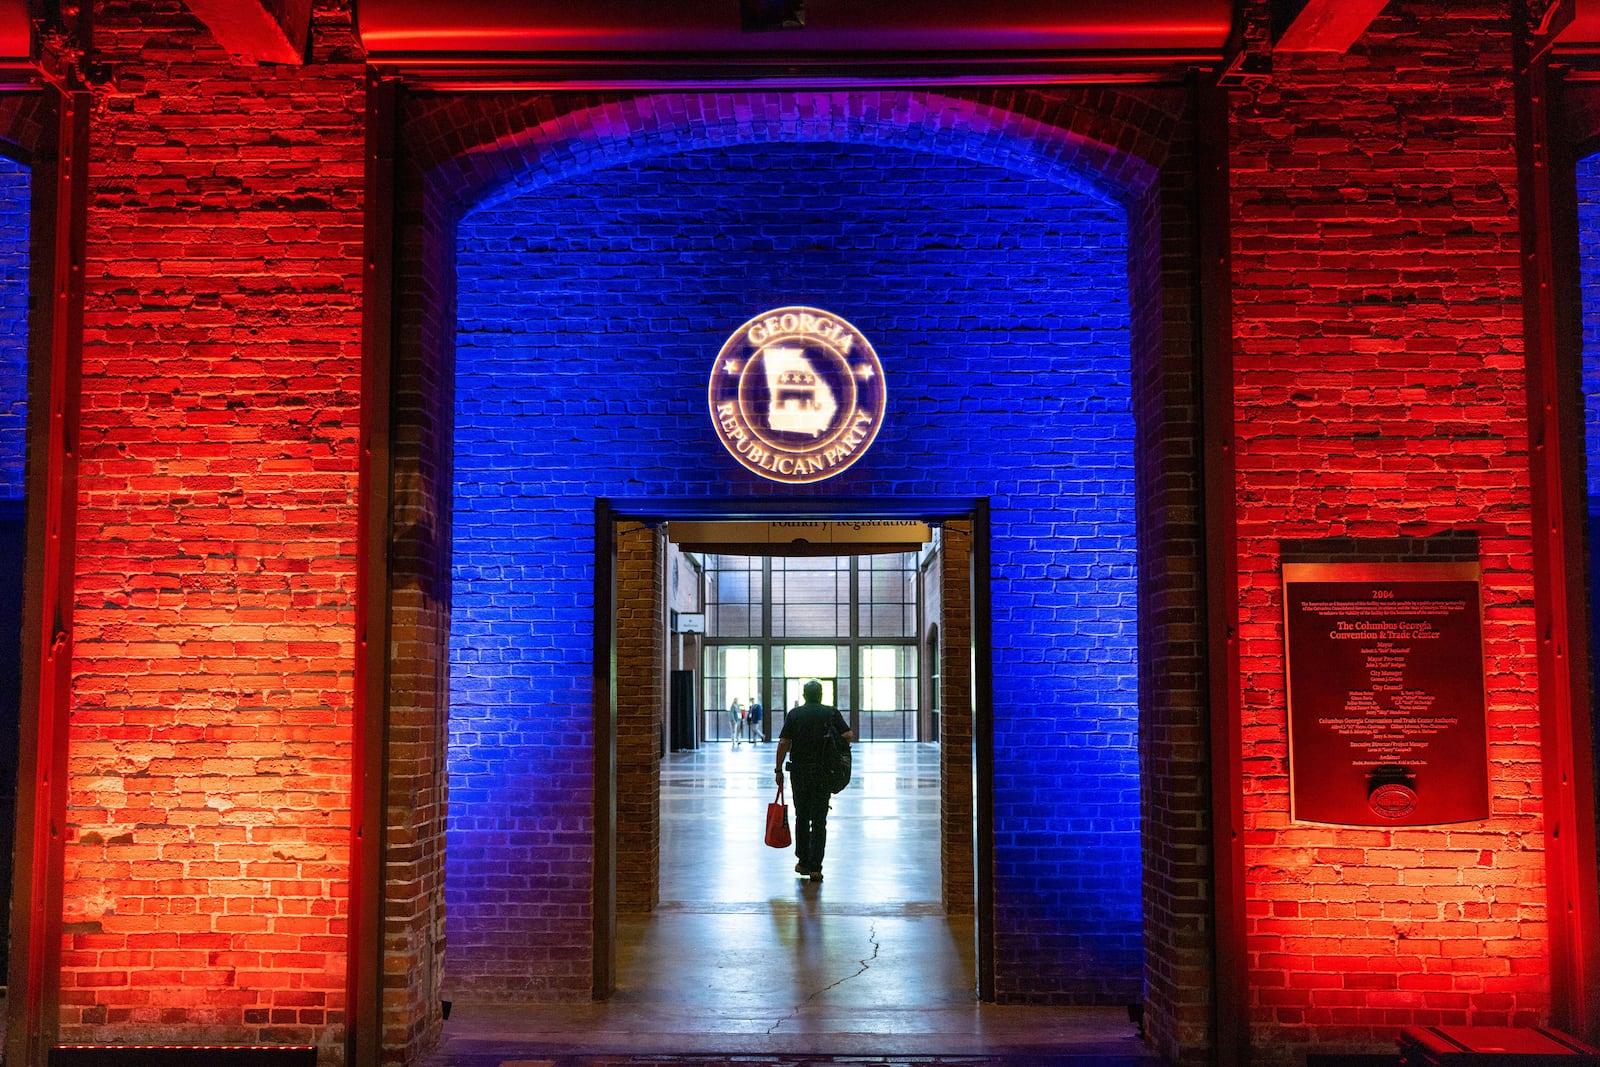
<point x="411" y="27"/>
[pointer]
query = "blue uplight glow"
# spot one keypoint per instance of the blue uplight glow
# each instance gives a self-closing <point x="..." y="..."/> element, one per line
<point x="589" y="313"/>
<point x="14" y="207"/>
<point x="15" y="204"/>
<point x="1589" y="276"/>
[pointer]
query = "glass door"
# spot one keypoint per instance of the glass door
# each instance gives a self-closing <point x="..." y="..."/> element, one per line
<point x="795" y="665"/>
<point x="733" y="673"/>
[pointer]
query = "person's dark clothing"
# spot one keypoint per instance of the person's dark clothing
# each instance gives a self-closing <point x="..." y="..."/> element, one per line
<point x="752" y="717"/>
<point x="806" y="728"/>
<point x="811" y="799"/>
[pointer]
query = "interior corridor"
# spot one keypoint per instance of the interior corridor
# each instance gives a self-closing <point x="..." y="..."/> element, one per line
<point x="743" y="957"/>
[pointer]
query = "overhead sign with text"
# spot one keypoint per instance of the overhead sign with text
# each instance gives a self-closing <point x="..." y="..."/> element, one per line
<point x="1386" y="706"/>
<point x="797" y="395"/>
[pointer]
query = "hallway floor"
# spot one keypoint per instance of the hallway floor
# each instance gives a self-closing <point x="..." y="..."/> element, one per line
<point x="743" y="958"/>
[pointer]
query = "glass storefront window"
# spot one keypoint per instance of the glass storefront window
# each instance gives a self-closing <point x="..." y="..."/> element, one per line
<point x="888" y="693"/>
<point x="733" y="672"/>
<point x="735" y="598"/>
<point x="851" y="622"/>
<point x="887" y="593"/>
<point x="811" y="597"/>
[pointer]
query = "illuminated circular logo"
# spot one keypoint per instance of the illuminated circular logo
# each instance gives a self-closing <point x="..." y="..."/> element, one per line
<point x="1393" y="801"/>
<point x="797" y="395"/>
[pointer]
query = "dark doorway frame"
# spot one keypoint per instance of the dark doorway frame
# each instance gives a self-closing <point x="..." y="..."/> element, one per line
<point x="1558" y="126"/>
<point x="49" y="131"/>
<point x="608" y="511"/>
<point x="1162" y="150"/>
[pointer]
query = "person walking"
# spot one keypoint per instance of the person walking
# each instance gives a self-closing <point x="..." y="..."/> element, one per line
<point x="804" y="733"/>
<point x="736" y="720"/>
<point x="752" y="721"/>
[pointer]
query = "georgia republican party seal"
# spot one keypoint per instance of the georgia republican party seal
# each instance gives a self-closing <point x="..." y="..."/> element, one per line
<point x="797" y="395"/>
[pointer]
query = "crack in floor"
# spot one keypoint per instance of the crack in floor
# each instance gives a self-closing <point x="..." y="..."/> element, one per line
<point x="866" y="962"/>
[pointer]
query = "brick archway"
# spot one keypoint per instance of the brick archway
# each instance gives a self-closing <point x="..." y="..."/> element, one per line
<point x="461" y="152"/>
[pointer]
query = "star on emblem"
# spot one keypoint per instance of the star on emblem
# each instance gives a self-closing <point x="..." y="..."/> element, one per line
<point x="731" y="366"/>
<point x="864" y="372"/>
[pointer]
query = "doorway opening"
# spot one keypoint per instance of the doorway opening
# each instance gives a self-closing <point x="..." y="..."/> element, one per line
<point x="1046" y="319"/>
<point x="683" y="858"/>
<point x="1021" y="384"/>
<point x="750" y="622"/>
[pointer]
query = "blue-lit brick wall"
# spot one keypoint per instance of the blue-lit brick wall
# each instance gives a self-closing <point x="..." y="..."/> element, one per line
<point x="1589" y="266"/>
<point x="1589" y="273"/>
<point x="14" y="204"/>
<point x="589" y="314"/>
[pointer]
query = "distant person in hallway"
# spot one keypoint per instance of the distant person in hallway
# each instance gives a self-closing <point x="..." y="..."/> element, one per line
<point x="804" y="730"/>
<point x="752" y="721"/>
<point x="736" y="719"/>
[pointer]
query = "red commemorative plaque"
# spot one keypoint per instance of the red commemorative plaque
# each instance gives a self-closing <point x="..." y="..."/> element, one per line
<point x="1386" y="711"/>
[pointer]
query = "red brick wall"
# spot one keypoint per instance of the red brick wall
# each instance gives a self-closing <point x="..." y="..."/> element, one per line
<point x="1379" y="394"/>
<point x="1379" y="391"/>
<point x="210" y="747"/>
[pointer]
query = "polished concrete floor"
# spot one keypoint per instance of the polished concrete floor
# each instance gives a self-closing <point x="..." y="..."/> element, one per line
<point x="743" y="958"/>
